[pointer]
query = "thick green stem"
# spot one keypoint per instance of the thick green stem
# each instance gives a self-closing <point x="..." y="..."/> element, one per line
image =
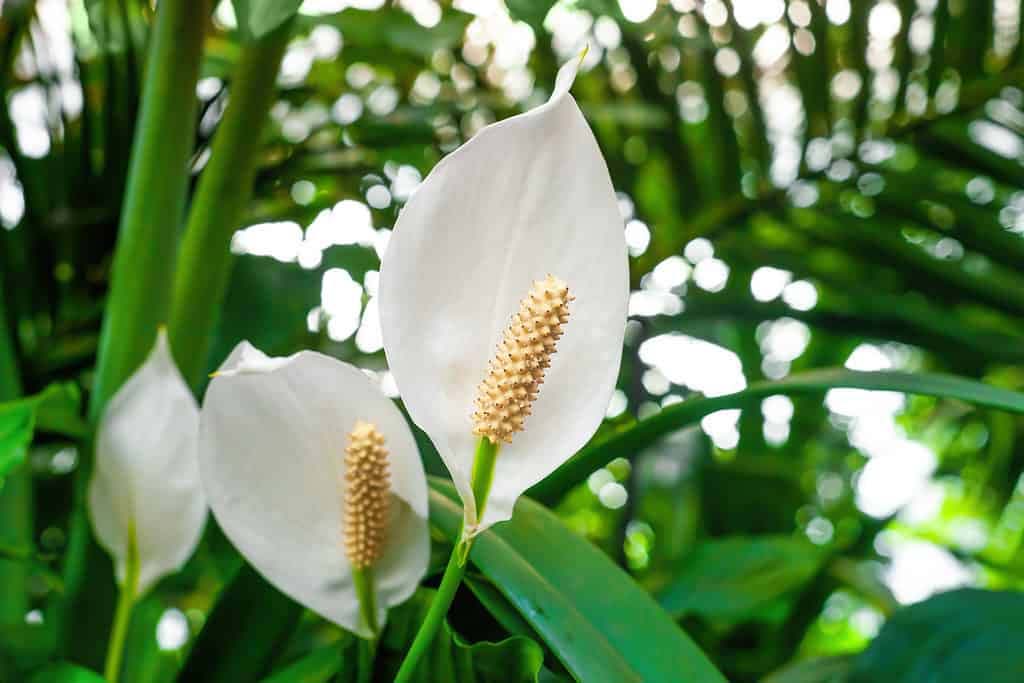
<point x="453" y="574"/>
<point x="366" y="654"/>
<point x="363" y="580"/>
<point x="151" y="215"/>
<point x="225" y="186"/>
<point x="125" y="602"/>
<point x="154" y="201"/>
<point x="483" y="475"/>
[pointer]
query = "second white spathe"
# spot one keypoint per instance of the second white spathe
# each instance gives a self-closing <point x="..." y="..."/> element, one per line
<point x="273" y="440"/>
<point x="146" y="475"/>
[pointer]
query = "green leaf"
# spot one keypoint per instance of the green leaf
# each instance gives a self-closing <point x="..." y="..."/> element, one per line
<point x="733" y="579"/>
<point x="958" y="636"/>
<point x="66" y="673"/>
<point x="450" y="658"/>
<point x="599" y="623"/>
<point x="257" y="18"/>
<point x="242" y="635"/>
<point x="317" y="667"/>
<point x="820" y="670"/>
<point x="645" y="432"/>
<point x="55" y="409"/>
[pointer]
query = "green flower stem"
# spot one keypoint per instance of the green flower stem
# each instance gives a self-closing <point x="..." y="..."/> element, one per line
<point x="154" y="201"/>
<point x="125" y="602"/>
<point x="483" y="475"/>
<point x="363" y="580"/>
<point x="365" y="654"/>
<point x="453" y="574"/>
<point x="223" y="192"/>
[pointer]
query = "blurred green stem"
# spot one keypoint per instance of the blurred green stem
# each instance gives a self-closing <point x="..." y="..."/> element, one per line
<point x="15" y="495"/>
<point x="483" y="475"/>
<point x="224" y="190"/>
<point x="125" y="602"/>
<point x="154" y="199"/>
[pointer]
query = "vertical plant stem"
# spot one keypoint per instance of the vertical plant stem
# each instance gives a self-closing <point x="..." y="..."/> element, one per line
<point x="140" y="285"/>
<point x="363" y="580"/>
<point x="224" y="189"/>
<point x="453" y="574"/>
<point x="154" y="199"/>
<point x="15" y="494"/>
<point x="366" y="654"/>
<point x="483" y="475"/>
<point x="125" y="602"/>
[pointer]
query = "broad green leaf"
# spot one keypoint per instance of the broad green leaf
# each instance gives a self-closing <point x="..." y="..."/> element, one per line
<point x="599" y="623"/>
<point x="318" y="666"/>
<point x="820" y="670"/>
<point x="257" y="18"/>
<point x="645" y="432"/>
<point x="241" y="637"/>
<point x="55" y="409"/>
<point x="368" y="33"/>
<point x="963" y="635"/>
<point x="452" y="659"/>
<point x="733" y="579"/>
<point x="66" y="673"/>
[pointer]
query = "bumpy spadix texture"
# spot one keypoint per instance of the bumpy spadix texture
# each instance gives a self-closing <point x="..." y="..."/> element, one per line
<point x="524" y="197"/>
<point x="516" y="372"/>
<point x="367" y="480"/>
<point x="273" y="453"/>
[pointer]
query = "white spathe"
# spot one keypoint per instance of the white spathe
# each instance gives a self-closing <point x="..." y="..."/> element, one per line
<point x="272" y="454"/>
<point x="146" y="475"/>
<point x="526" y="197"/>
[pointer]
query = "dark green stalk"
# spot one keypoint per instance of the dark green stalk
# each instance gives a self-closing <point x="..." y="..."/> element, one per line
<point x="15" y="495"/>
<point x="154" y="201"/>
<point x="224" y="189"/>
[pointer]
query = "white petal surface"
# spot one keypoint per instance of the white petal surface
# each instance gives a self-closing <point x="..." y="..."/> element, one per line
<point x="525" y="197"/>
<point x="146" y="473"/>
<point x="274" y="432"/>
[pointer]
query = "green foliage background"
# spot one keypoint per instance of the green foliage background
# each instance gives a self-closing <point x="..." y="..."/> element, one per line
<point x="880" y="165"/>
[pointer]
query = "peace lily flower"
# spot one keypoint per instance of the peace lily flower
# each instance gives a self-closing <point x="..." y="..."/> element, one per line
<point x="503" y="302"/>
<point x="145" y="498"/>
<point x="315" y="477"/>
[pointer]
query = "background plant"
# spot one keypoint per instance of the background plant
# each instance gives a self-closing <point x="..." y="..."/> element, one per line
<point x="804" y="185"/>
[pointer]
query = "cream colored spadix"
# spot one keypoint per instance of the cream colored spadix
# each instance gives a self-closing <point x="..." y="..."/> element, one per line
<point x="526" y="197"/>
<point x="146" y="476"/>
<point x="516" y="371"/>
<point x="312" y="472"/>
<point x="367" y="498"/>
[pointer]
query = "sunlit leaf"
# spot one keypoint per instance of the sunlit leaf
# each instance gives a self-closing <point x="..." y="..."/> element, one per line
<point x="673" y="418"/>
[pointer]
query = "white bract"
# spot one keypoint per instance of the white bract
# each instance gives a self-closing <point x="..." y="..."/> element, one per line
<point x="526" y="197"/>
<point x="146" y="476"/>
<point x="272" y="453"/>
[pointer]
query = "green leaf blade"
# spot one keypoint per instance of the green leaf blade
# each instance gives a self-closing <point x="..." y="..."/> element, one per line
<point x="593" y="616"/>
